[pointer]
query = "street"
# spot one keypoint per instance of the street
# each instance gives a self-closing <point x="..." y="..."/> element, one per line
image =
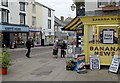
<point x="34" y="52"/>
<point x="42" y="67"/>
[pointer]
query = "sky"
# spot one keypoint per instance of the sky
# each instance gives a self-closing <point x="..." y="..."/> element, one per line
<point x="61" y="7"/>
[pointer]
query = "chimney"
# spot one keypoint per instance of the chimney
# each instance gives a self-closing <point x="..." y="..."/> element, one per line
<point x="62" y="18"/>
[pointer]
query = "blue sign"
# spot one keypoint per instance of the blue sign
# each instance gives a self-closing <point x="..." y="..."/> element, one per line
<point x="14" y="28"/>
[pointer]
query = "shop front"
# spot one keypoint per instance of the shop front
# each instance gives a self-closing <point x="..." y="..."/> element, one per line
<point x="36" y="34"/>
<point x="101" y="37"/>
<point x="13" y="35"/>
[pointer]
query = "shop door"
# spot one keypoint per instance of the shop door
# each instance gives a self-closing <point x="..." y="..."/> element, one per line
<point x="6" y="39"/>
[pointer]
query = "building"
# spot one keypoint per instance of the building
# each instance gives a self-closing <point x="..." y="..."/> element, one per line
<point x="13" y="23"/>
<point x="101" y="29"/>
<point x="41" y="23"/>
<point x="102" y="7"/>
<point x="59" y="34"/>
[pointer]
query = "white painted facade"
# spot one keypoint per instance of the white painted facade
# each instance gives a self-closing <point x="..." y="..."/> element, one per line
<point x="41" y="15"/>
<point x="14" y="11"/>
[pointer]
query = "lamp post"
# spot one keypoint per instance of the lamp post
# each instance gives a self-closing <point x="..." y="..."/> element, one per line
<point x="80" y="11"/>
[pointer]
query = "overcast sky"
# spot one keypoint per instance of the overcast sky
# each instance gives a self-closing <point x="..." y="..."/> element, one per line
<point x="61" y="7"/>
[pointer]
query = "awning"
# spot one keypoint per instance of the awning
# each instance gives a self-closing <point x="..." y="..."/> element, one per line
<point x="73" y="25"/>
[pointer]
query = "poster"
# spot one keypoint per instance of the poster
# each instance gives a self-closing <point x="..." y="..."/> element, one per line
<point x="108" y="36"/>
<point x="94" y="62"/>
<point x="115" y="64"/>
<point x="80" y="65"/>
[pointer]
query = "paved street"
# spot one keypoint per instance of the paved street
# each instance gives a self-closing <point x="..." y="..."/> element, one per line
<point x="42" y="67"/>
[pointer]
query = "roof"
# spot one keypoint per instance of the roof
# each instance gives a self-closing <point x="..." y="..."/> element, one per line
<point x="59" y="22"/>
<point x="44" y="6"/>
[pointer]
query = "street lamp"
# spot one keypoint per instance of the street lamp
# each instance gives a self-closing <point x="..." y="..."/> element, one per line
<point x="73" y="7"/>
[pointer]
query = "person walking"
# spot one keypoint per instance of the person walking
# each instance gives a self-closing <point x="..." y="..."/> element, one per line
<point x="28" y="45"/>
<point x="63" y="47"/>
<point x="55" y="50"/>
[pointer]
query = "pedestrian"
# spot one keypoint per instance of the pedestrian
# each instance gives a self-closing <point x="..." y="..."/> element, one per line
<point x="63" y="47"/>
<point x="28" y="45"/>
<point x="55" y="49"/>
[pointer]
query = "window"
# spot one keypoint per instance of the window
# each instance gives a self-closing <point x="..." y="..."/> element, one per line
<point x="5" y="3"/>
<point x="33" y="8"/>
<point x="33" y="21"/>
<point x="22" y="19"/>
<point x="49" y="24"/>
<point x="5" y="15"/>
<point x="102" y="3"/>
<point x="49" y="13"/>
<point x="22" y="6"/>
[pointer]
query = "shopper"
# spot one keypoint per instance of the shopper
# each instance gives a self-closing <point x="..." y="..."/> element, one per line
<point x="55" y="50"/>
<point x="63" y="47"/>
<point x="28" y="45"/>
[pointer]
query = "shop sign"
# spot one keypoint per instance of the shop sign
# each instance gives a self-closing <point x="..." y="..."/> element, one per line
<point x="108" y="36"/>
<point x="14" y="28"/>
<point x="104" y="50"/>
<point x="94" y="62"/>
<point x="106" y="19"/>
<point x="115" y="64"/>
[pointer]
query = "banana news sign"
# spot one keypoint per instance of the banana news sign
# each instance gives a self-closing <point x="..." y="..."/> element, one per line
<point x="105" y="50"/>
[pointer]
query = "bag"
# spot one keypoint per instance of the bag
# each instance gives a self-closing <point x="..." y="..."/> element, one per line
<point x="64" y="52"/>
<point x="55" y="51"/>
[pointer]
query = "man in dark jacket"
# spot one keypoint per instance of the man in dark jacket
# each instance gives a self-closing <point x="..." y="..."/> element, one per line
<point x="28" y="45"/>
<point x="63" y="47"/>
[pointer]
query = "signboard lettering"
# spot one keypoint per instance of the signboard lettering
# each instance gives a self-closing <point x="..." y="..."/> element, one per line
<point x="108" y="36"/>
<point x="115" y="64"/>
<point x="94" y="62"/>
<point x="106" y="51"/>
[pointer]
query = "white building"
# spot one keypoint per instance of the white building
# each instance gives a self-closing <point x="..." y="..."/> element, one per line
<point x="41" y="23"/>
<point x="13" y="22"/>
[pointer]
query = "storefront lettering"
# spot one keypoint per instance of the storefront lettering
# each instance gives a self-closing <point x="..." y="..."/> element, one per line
<point x="105" y="19"/>
<point x="107" y="51"/>
<point x="12" y="29"/>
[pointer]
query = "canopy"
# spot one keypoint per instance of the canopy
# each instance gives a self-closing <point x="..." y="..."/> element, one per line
<point x="73" y="25"/>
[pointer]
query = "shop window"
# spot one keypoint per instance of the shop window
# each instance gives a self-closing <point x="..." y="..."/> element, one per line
<point x="22" y="19"/>
<point x="22" y="6"/>
<point x="5" y="3"/>
<point x="104" y="35"/>
<point x="5" y="16"/>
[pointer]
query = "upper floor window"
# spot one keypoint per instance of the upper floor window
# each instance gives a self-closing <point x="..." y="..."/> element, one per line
<point x="103" y="3"/>
<point x="22" y="19"/>
<point x="49" y="12"/>
<point x="33" y="21"/>
<point x="4" y="3"/>
<point x="33" y="8"/>
<point x="22" y="6"/>
<point x="49" y="24"/>
<point x="5" y="16"/>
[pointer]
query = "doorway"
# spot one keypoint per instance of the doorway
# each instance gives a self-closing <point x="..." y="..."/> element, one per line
<point x="6" y="39"/>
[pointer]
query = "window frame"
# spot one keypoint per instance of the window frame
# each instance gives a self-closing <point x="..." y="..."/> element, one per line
<point x="6" y="20"/>
<point x="4" y="3"/>
<point x="49" y="12"/>
<point x="22" y="6"/>
<point x="33" y="19"/>
<point x="49" y="24"/>
<point x="22" y="14"/>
